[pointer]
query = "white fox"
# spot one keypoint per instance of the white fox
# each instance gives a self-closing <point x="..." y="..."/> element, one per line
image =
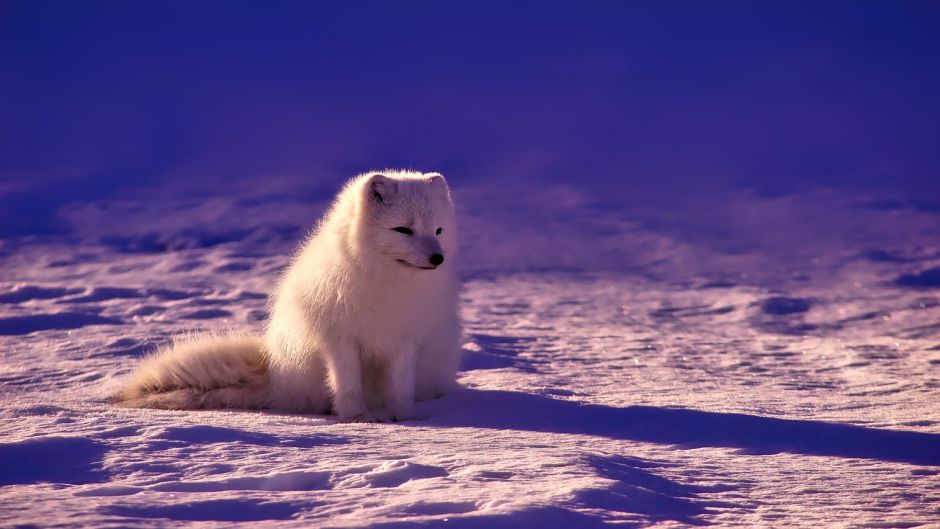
<point x="362" y="323"/>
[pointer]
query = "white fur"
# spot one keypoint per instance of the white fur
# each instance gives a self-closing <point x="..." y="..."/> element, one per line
<point x="356" y="325"/>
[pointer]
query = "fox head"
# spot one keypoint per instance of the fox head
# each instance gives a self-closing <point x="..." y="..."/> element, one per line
<point x="407" y="221"/>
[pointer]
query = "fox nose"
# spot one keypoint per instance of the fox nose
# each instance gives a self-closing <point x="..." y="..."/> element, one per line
<point x="436" y="259"/>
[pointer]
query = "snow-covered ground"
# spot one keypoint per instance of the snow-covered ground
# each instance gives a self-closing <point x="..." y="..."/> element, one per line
<point x="734" y="360"/>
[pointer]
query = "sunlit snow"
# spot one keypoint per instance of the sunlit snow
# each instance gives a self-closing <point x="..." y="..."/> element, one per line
<point x="771" y="363"/>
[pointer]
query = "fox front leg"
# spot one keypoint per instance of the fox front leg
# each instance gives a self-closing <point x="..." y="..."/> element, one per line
<point x="345" y="377"/>
<point x="399" y="384"/>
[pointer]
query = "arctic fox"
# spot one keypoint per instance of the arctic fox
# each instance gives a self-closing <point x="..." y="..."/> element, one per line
<point x="362" y="323"/>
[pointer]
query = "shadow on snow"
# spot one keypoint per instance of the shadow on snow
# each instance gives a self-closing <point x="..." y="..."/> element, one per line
<point x="73" y="460"/>
<point x="686" y="428"/>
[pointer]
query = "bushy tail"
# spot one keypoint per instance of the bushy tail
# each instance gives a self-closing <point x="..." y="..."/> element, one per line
<point x="201" y="372"/>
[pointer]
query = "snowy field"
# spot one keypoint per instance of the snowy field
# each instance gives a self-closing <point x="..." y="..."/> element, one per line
<point x="774" y="362"/>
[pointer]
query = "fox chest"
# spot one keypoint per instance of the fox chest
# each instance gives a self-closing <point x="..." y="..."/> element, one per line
<point x="385" y="325"/>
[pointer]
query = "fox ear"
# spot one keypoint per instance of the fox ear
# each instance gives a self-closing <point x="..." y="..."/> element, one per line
<point x="381" y="189"/>
<point x="437" y="181"/>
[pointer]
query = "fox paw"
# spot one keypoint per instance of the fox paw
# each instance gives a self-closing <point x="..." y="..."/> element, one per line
<point x="402" y="413"/>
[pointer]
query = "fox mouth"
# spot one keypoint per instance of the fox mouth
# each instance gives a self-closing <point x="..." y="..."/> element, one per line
<point x="406" y="263"/>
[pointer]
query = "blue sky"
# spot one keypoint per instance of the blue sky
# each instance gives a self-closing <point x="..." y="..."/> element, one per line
<point x="631" y="97"/>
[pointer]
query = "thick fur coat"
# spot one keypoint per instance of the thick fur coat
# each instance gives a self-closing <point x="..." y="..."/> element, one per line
<point x="362" y="323"/>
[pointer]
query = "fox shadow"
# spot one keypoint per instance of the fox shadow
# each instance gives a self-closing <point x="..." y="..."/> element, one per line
<point x="685" y="428"/>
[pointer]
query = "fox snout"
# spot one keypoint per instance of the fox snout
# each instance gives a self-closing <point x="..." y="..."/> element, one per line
<point x="425" y="254"/>
<point x="432" y="249"/>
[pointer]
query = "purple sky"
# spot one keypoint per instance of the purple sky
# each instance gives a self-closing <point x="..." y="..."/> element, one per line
<point x="625" y="97"/>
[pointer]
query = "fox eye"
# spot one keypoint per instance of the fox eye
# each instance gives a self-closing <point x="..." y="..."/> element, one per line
<point x="402" y="229"/>
<point x="439" y="231"/>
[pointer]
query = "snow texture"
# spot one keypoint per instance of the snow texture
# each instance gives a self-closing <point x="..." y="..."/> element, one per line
<point x="770" y="363"/>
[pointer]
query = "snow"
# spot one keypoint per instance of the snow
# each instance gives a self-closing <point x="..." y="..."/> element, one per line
<point x="772" y="362"/>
